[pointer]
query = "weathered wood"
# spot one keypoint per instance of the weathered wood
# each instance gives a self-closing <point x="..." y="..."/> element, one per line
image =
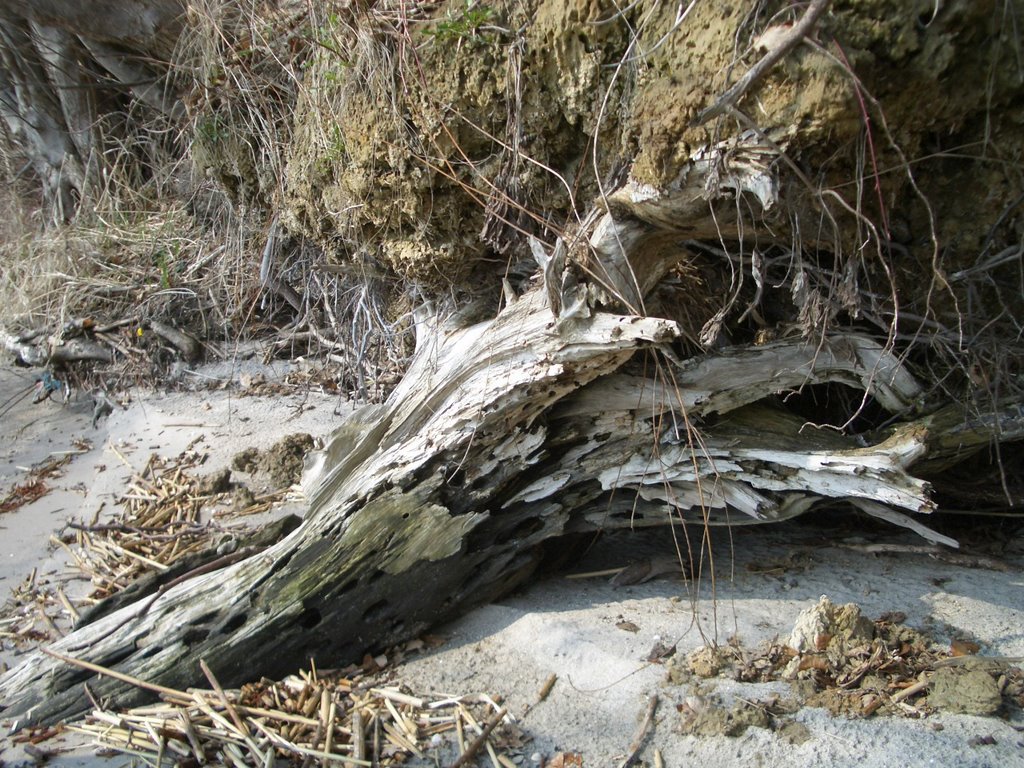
<point x="394" y="540"/>
<point x="33" y="113"/>
<point x="52" y="99"/>
<point x="139" y="23"/>
<point x="503" y="435"/>
<point x="189" y="347"/>
<point x="35" y="352"/>
<point x="643" y="233"/>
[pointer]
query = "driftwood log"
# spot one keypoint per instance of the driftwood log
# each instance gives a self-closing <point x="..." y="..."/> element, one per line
<point x="37" y="349"/>
<point x="506" y="434"/>
<point x="79" y="341"/>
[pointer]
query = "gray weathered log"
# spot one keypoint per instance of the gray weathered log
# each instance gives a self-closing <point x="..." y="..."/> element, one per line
<point x="37" y="353"/>
<point x="188" y="345"/>
<point x="52" y="100"/>
<point x="501" y="436"/>
<point x="393" y="541"/>
<point x="508" y="433"/>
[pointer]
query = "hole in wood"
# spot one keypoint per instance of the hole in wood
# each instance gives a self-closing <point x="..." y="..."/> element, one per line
<point x="118" y="656"/>
<point x="836" y="404"/>
<point x="345" y="588"/>
<point x="284" y="560"/>
<point x="377" y="611"/>
<point x="195" y="635"/>
<point x="233" y="622"/>
<point x="309" y="618"/>
<point x="149" y="651"/>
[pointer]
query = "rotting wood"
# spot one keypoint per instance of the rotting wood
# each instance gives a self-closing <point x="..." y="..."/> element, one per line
<point x="381" y="525"/>
<point x="189" y="347"/>
<point x="38" y="349"/>
<point x="490" y="446"/>
<point x="501" y="436"/>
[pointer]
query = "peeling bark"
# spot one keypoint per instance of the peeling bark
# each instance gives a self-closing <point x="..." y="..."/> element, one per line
<point x="501" y="436"/>
<point x="391" y="543"/>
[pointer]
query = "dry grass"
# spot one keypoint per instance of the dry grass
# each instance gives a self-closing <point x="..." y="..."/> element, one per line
<point x="34" y="259"/>
<point x="164" y="240"/>
<point x="316" y="717"/>
<point x="175" y="231"/>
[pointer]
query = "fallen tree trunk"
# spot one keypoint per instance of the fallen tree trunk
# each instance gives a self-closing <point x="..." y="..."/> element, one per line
<point x="32" y="351"/>
<point x="500" y="437"/>
<point x="391" y="543"/>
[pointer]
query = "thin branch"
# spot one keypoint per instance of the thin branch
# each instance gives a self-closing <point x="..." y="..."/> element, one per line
<point x="785" y="44"/>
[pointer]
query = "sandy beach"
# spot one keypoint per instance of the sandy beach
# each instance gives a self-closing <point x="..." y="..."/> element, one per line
<point x="594" y="636"/>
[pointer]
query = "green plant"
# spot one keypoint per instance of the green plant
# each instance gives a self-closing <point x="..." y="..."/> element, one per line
<point x="464" y="24"/>
<point x="163" y="260"/>
<point x="336" y="148"/>
<point x="212" y="129"/>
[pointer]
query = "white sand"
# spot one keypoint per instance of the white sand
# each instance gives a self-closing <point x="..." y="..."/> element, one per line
<point x="568" y="627"/>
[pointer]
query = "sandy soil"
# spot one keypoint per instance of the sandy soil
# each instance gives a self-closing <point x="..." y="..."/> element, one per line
<point x="594" y="636"/>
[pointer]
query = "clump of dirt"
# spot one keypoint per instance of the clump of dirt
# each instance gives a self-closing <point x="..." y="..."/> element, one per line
<point x="430" y="148"/>
<point x="246" y="460"/>
<point x="831" y="629"/>
<point x="707" y="661"/>
<point x="839" y="660"/>
<point x="242" y="498"/>
<point x="794" y="732"/>
<point x="711" y="720"/>
<point x="730" y="660"/>
<point x="968" y="691"/>
<point x="839" y="702"/>
<point x="855" y="665"/>
<point x="705" y="716"/>
<point x="280" y="465"/>
<point x="214" y="483"/>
